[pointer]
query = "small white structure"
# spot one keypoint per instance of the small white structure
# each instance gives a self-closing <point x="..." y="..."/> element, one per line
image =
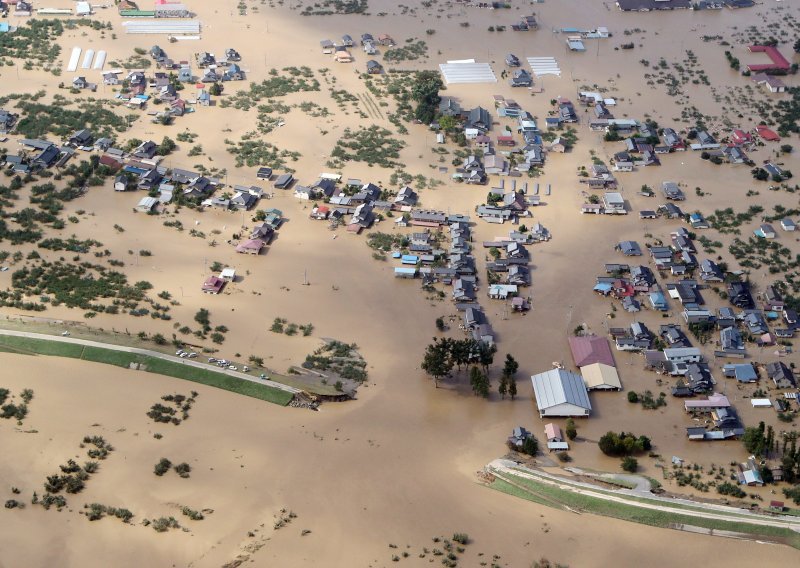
<point x="228" y="274"/>
<point x="788" y="225"/>
<point x="761" y="403"/>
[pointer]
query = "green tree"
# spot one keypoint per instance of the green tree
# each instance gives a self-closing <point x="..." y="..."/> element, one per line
<point x="203" y="318"/>
<point x="502" y="388"/>
<point x="437" y="361"/>
<point x="166" y="147"/>
<point x="215" y="89"/>
<point x="530" y="446"/>
<point x="510" y="366"/>
<point x="447" y="123"/>
<point x="479" y="382"/>
<point x="512" y="387"/>
<point x="754" y="441"/>
<point x="486" y="355"/>
<point x="572" y="431"/>
<point x="425" y="92"/>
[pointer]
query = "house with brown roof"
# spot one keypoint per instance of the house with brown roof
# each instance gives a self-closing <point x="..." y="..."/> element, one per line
<point x="588" y="349"/>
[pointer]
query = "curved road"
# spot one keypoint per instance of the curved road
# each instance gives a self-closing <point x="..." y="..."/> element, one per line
<point x="149" y="353"/>
<point x="712" y="511"/>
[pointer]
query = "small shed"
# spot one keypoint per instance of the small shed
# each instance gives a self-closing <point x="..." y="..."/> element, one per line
<point x="228" y="274"/>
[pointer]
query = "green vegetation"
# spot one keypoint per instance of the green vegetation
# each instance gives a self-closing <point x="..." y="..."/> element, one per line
<point x="35" y="42"/>
<point x="479" y="381"/>
<point x="339" y="358"/>
<point x="97" y="511"/>
<point x="623" y="444"/>
<point x="629" y="464"/>
<point x="281" y="325"/>
<point x="167" y="414"/>
<point x="387" y="242"/>
<point x="373" y="145"/>
<point x="253" y="152"/>
<point x="444" y="353"/>
<point x="293" y="80"/>
<point x="413" y="50"/>
<point x="162" y="467"/>
<point x="41" y="119"/>
<point x="330" y="7"/>
<point x="550" y="496"/>
<point x="149" y="364"/>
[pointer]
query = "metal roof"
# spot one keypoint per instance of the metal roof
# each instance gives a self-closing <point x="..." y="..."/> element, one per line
<point x="600" y="376"/>
<point x="558" y="386"/>
<point x="588" y="349"/>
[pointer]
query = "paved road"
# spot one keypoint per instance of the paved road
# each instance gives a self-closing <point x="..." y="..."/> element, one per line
<point x="711" y="511"/>
<point x="156" y="354"/>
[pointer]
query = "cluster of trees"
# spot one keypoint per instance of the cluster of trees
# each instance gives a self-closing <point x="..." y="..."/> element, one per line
<point x="445" y="353"/>
<point x="623" y="444"/>
<point x="425" y="92"/>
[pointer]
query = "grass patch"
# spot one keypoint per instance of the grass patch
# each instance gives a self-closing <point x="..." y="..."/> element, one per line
<point x="41" y="346"/>
<point x="152" y="364"/>
<point x="662" y="519"/>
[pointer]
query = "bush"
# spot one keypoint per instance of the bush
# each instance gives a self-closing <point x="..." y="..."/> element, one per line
<point x="162" y="467"/>
<point x="572" y="431"/>
<point x="633" y="397"/>
<point x="731" y="489"/>
<point x="183" y="469"/>
<point x="629" y="464"/>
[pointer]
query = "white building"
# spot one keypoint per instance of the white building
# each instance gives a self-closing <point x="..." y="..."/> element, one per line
<point x="561" y="393"/>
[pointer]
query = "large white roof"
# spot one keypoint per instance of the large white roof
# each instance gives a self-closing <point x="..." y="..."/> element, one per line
<point x="558" y="386"/>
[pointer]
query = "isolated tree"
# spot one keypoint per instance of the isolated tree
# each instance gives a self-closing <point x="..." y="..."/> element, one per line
<point x="502" y="388"/>
<point x="437" y="361"/>
<point x="512" y="387"/>
<point x="572" y="431"/>
<point x="215" y="89"/>
<point x="510" y="367"/>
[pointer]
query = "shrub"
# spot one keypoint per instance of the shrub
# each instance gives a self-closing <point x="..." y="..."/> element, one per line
<point x="162" y="467"/>
<point x="629" y="464"/>
<point x="183" y="469"/>
<point x="633" y="397"/>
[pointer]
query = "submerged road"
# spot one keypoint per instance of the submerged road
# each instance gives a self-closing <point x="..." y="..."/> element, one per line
<point x="149" y="353"/>
<point x="500" y="468"/>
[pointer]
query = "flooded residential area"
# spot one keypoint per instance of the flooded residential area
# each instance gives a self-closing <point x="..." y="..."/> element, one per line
<point x="358" y="283"/>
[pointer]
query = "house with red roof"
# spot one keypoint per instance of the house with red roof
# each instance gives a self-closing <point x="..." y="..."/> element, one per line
<point x="779" y="62"/>
<point x="740" y="137"/>
<point x="213" y="285"/>
<point x="767" y="134"/>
